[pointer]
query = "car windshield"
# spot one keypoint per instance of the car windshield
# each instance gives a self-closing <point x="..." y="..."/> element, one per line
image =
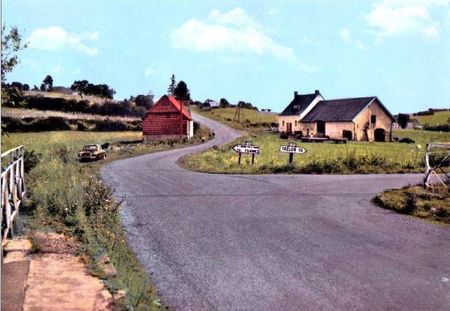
<point x="90" y="148"/>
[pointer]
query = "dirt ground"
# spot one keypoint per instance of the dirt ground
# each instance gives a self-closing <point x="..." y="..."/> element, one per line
<point x="57" y="279"/>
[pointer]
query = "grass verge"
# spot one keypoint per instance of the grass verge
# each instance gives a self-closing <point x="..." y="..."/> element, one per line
<point x="68" y="197"/>
<point x="320" y="158"/>
<point x="417" y="201"/>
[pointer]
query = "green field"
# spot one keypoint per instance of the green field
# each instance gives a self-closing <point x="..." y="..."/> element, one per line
<point x="363" y="157"/>
<point x="249" y="118"/>
<point x="438" y="118"/>
<point x="41" y="141"/>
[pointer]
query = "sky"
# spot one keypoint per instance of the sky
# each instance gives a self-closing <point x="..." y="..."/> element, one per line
<point x="257" y="51"/>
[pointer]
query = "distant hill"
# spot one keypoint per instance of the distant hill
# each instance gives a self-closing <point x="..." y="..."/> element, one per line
<point x="437" y="118"/>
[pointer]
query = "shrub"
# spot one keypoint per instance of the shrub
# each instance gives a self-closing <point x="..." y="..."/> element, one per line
<point x="407" y="140"/>
<point x="31" y="159"/>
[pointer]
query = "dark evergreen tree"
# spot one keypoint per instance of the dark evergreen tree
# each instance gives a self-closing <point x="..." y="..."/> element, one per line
<point x="172" y="85"/>
<point x="181" y="92"/>
<point x="48" y="83"/>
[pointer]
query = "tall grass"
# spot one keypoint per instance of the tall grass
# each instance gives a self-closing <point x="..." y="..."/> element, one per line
<point x="69" y="197"/>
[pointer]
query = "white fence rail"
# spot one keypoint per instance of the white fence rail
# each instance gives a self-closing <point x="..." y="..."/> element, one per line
<point x="436" y="170"/>
<point x="13" y="188"/>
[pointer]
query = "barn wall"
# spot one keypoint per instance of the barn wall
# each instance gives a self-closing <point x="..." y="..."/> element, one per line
<point x="308" y="129"/>
<point x="365" y="130"/>
<point x="335" y="129"/>
<point x="164" y="121"/>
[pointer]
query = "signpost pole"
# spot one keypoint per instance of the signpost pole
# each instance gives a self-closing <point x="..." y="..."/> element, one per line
<point x="253" y="158"/>
<point x="239" y="158"/>
<point x="291" y="158"/>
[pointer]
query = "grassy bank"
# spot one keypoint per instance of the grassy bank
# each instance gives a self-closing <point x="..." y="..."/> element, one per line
<point x="249" y="118"/>
<point x="69" y="197"/>
<point x="418" y="202"/>
<point x="31" y="120"/>
<point x="437" y="118"/>
<point x="353" y="157"/>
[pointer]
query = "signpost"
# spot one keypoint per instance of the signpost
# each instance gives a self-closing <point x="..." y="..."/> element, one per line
<point x="292" y="148"/>
<point x="248" y="148"/>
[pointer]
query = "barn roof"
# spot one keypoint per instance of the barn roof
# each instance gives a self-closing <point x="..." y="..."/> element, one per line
<point x="178" y="105"/>
<point x="345" y="109"/>
<point x="299" y="104"/>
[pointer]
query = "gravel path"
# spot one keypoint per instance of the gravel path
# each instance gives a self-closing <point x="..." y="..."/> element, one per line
<point x="277" y="242"/>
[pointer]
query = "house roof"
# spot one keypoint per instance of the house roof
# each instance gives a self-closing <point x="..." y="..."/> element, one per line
<point x="299" y="104"/>
<point x="345" y="109"/>
<point x="178" y="105"/>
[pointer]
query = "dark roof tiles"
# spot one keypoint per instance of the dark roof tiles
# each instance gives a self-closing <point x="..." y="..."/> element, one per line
<point x="298" y="104"/>
<point x="345" y="109"/>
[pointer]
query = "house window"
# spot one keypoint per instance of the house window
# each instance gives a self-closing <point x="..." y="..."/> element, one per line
<point x="373" y="119"/>
<point x="295" y="122"/>
<point x="282" y="123"/>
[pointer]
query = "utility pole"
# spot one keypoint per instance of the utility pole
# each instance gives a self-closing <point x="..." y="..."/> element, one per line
<point x="237" y="113"/>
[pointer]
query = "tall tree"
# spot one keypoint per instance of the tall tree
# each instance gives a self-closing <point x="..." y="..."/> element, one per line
<point x="11" y="44"/>
<point x="80" y="87"/>
<point x="403" y="119"/>
<point x="172" y="85"/>
<point x="181" y="91"/>
<point x="48" y="82"/>
<point x="224" y="103"/>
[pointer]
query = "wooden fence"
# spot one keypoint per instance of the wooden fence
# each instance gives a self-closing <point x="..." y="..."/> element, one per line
<point x="13" y="188"/>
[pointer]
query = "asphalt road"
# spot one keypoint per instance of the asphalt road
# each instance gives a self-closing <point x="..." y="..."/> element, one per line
<point x="277" y="242"/>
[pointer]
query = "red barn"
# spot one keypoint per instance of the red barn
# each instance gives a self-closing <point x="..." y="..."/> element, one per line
<point x="167" y="119"/>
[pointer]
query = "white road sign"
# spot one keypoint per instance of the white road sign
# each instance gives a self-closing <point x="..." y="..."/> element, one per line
<point x="292" y="149"/>
<point x="246" y="149"/>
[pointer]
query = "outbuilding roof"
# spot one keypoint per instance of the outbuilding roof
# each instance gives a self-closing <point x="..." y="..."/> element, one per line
<point x="178" y="105"/>
<point x="299" y="104"/>
<point x="338" y="110"/>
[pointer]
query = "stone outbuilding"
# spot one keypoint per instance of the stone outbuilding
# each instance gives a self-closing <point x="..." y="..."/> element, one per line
<point x="360" y="119"/>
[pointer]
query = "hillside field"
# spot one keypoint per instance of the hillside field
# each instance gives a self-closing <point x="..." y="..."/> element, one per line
<point x="438" y="118"/>
<point x="249" y="118"/>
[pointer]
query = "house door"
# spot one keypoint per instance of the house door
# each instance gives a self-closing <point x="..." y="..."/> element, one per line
<point x="320" y="128"/>
<point x="380" y="135"/>
<point x="289" y="127"/>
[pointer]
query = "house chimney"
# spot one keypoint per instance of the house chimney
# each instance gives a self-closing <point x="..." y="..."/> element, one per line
<point x="295" y="94"/>
<point x="317" y="92"/>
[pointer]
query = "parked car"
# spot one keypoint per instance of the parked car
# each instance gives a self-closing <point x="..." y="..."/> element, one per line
<point x="91" y="153"/>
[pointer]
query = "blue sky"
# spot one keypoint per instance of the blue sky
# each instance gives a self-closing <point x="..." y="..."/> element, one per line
<point x="257" y="51"/>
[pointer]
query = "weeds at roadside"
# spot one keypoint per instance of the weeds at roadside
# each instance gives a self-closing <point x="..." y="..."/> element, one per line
<point x="417" y="201"/>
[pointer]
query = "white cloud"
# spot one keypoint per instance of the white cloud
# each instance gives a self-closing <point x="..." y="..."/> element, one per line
<point x="76" y="71"/>
<point x="360" y="45"/>
<point x="56" y="69"/>
<point x="55" y="37"/>
<point x="149" y="71"/>
<point x="345" y="35"/>
<point x="233" y="31"/>
<point x="401" y="17"/>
